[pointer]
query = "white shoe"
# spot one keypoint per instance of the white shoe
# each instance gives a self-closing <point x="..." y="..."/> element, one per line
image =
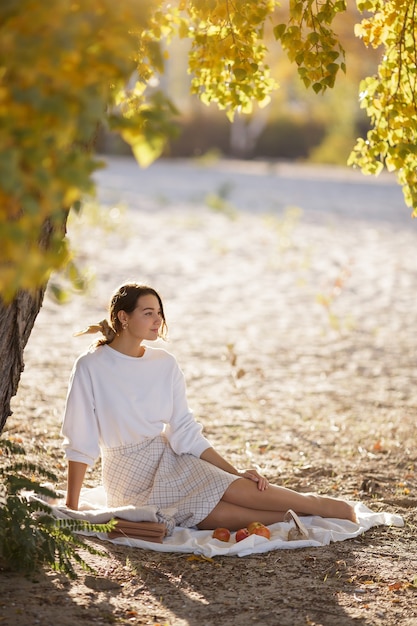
<point x="299" y="531"/>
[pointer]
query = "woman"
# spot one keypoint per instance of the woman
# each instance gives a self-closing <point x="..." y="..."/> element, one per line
<point x="127" y="403"/>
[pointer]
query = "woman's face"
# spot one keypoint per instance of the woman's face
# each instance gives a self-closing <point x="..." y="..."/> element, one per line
<point x="145" y="319"/>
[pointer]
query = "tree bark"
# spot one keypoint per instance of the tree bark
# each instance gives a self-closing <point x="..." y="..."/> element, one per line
<point x="16" y="323"/>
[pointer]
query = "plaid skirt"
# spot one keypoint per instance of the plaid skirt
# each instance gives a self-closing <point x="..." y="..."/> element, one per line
<point x="183" y="487"/>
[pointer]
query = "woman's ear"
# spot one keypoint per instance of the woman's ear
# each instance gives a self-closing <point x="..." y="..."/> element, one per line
<point x="122" y="317"/>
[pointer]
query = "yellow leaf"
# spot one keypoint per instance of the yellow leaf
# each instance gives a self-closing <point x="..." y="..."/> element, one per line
<point x="200" y="557"/>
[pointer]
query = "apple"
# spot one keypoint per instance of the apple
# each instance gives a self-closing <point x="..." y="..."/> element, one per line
<point x="223" y="534"/>
<point x="253" y="525"/>
<point x="256" y="528"/>
<point x="263" y="531"/>
<point x="241" y="534"/>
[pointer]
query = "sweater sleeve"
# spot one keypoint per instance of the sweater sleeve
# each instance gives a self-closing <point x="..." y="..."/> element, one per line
<point x="80" y="427"/>
<point x="183" y="432"/>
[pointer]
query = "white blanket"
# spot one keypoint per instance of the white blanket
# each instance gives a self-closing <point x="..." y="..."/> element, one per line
<point x="321" y="531"/>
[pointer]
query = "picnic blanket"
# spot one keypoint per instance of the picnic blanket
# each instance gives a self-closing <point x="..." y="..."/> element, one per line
<point x="321" y="531"/>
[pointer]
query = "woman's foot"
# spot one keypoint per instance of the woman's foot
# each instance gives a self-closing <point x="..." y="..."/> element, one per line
<point x="339" y="509"/>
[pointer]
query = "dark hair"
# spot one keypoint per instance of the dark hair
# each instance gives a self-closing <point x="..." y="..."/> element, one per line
<point x="125" y="298"/>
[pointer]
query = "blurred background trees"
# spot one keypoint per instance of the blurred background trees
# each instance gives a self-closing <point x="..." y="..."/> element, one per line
<point x="296" y="125"/>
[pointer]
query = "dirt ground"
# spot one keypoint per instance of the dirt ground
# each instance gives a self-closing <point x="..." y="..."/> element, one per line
<point x="290" y="294"/>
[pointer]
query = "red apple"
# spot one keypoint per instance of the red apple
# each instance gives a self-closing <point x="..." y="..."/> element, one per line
<point x="253" y="525"/>
<point x="263" y="531"/>
<point x="242" y="533"/>
<point x="223" y="534"/>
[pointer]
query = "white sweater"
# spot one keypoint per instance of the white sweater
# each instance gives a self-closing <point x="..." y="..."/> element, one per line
<point x="114" y="399"/>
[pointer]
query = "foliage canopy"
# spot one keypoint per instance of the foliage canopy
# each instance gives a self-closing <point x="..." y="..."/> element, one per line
<point x="66" y="68"/>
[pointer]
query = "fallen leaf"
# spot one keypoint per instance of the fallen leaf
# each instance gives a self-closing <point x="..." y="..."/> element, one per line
<point x="200" y="557"/>
<point x="396" y="586"/>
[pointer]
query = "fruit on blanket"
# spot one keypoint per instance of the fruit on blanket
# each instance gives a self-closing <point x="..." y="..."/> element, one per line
<point x="223" y="534"/>
<point x="242" y="533"/>
<point x="253" y="525"/>
<point x="261" y="530"/>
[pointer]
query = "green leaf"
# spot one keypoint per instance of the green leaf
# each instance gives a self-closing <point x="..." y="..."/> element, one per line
<point x="240" y="73"/>
<point x="279" y="30"/>
<point x="332" y="68"/>
<point x="313" y="37"/>
<point x="144" y="151"/>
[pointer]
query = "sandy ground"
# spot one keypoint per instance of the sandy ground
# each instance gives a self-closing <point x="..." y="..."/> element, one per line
<point x="290" y="295"/>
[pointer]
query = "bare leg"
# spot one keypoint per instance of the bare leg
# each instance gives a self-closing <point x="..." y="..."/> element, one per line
<point x="270" y="506"/>
<point x="233" y="517"/>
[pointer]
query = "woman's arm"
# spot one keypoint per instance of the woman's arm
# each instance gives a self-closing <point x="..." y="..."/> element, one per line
<point x="211" y="456"/>
<point x="76" y="473"/>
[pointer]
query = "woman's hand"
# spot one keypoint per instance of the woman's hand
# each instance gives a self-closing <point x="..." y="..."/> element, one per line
<point x="253" y="474"/>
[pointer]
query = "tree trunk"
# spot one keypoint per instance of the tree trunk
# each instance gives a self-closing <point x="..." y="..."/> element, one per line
<point x="16" y="323"/>
<point x="244" y="134"/>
